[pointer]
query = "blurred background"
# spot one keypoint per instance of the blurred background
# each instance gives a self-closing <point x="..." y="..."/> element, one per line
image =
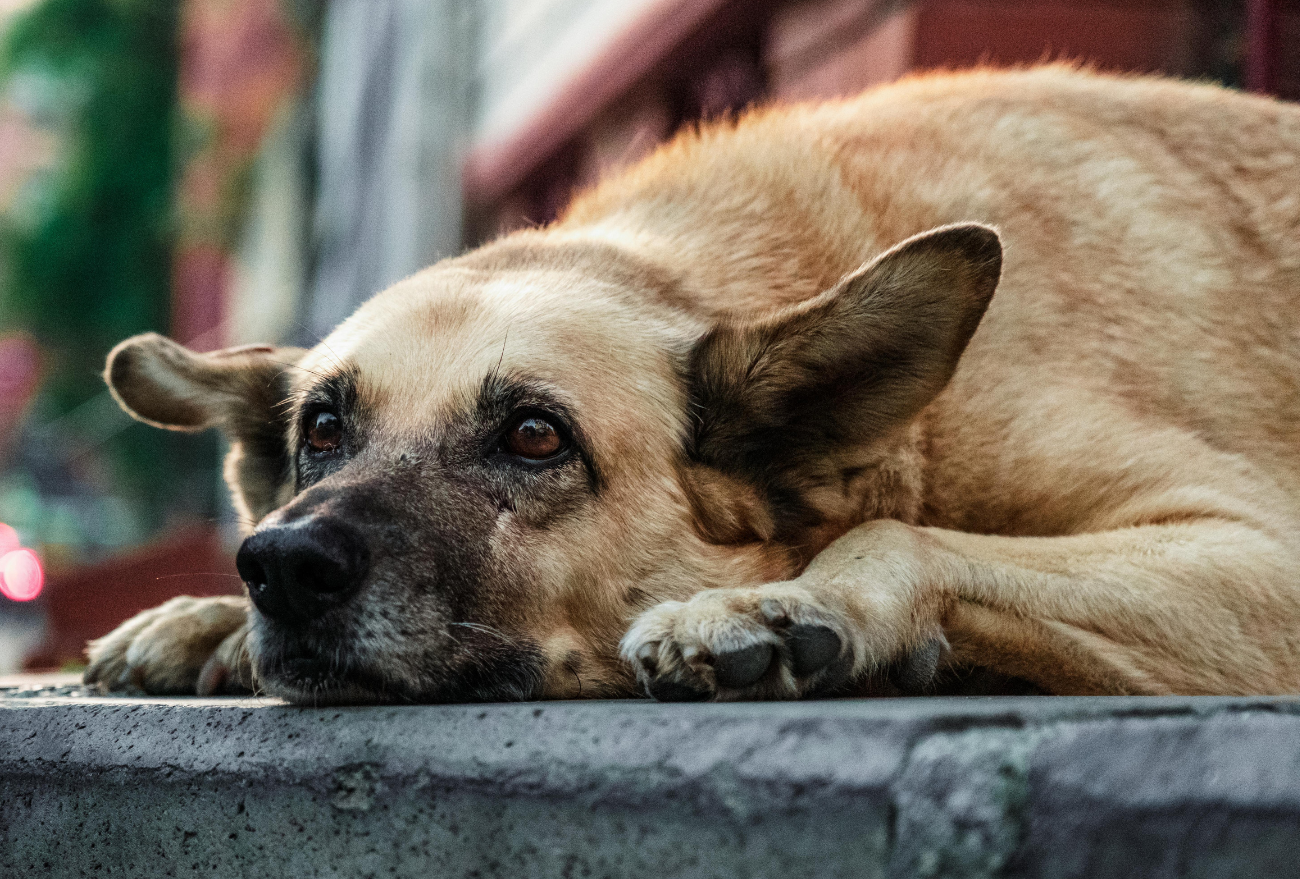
<point x="236" y="171"/>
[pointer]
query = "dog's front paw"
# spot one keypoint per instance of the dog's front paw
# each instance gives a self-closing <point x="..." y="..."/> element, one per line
<point x="778" y="641"/>
<point x="186" y="646"/>
<point x="767" y="642"/>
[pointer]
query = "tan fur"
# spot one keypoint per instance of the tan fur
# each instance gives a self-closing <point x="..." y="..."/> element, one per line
<point x="181" y="646"/>
<point x="1104" y="496"/>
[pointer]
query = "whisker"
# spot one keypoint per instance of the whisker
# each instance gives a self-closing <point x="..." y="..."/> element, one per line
<point x="320" y="340"/>
<point x="200" y="574"/>
<point x="504" y="342"/>
<point x="308" y="335"/>
<point x="488" y="630"/>
<point x="338" y="361"/>
<point x="320" y="375"/>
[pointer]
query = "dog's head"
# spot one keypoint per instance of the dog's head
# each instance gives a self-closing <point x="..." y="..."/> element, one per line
<point x="469" y="489"/>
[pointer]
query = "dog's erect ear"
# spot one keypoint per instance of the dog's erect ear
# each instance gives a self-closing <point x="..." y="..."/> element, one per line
<point x="781" y="396"/>
<point x="240" y="390"/>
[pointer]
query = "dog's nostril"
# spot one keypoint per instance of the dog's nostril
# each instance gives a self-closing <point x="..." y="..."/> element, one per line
<point x="250" y="570"/>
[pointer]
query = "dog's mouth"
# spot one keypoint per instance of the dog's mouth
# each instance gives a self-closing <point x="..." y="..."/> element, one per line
<point x="305" y="677"/>
<point x="330" y="674"/>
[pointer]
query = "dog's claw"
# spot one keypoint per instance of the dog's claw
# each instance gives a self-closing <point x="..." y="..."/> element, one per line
<point x="646" y="655"/>
<point x="812" y="648"/>
<point x="741" y="668"/>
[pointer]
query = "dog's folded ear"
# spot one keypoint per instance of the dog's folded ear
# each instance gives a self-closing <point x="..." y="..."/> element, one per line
<point x="167" y="385"/>
<point x="240" y="390"/>
<point x="782" y="395"/>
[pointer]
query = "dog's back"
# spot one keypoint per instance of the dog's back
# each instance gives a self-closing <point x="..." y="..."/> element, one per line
<point x="1145" y="327"/>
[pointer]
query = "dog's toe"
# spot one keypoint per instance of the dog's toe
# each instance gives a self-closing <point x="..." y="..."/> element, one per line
<point x="647" y="657"/>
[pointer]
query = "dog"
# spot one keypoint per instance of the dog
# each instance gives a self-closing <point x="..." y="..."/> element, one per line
<point x="749" y="422"/>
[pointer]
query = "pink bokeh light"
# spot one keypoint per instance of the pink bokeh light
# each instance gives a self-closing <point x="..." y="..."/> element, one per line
<point x="8" y="539"/>
<point x="21" y="576"/>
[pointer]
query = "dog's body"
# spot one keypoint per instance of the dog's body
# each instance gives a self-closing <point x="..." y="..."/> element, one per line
<point x="771" y="464"/>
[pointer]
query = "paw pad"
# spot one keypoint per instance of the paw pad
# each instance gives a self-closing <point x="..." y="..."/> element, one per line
<point x="666" y="690"/>
<point x="915" y="673"/>
<point x="736" y="669"/>
<point x="812" y="648"/>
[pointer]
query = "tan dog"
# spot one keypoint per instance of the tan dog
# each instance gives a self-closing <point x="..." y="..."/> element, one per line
<point x="720" y="416"/>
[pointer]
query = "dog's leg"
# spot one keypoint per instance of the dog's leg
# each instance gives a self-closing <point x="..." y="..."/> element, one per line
<point x="1205" y="606"/>
<point x="185" y="646"/>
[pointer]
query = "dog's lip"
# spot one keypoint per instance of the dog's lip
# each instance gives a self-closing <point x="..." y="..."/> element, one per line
<point x="298" y="664"/>
<point x="305" y="666"/>
<point x="313" y="669"/>
<point x="305" y="671"/>
<point x="309" y="679"/>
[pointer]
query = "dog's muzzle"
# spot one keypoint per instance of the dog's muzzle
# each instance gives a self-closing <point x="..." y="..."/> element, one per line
<point x="298" y="571"/>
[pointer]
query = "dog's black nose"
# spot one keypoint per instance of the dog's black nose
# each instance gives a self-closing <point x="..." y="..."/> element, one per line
<point x="298" y="571"/>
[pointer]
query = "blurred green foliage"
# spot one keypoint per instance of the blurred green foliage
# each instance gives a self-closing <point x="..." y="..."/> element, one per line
<point x="90" y="264"/>
<point x="86" y="248"/>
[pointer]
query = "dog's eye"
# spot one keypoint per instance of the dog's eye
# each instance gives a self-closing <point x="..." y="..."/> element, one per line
<point x="324" y="432"/>
<point x="534" y="438"/>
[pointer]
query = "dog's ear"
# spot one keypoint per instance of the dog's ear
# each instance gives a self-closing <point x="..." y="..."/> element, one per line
<point x="240" y="390"/>
<point x="777" y="399"/>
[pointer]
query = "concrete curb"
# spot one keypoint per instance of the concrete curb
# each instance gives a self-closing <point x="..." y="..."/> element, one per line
<point x="977" y="787"/>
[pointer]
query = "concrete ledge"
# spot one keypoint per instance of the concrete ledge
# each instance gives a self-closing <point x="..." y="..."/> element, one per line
<point x="1029" y="786"/>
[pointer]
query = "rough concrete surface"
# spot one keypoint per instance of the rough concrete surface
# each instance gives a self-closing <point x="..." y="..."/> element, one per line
<point x="975" y="787"/>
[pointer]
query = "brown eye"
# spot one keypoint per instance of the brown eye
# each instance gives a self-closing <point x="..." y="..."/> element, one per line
<point x="534" y="438"/>
<point x="324" y="432"/>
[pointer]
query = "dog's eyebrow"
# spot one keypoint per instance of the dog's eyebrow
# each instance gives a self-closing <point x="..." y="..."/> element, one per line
<point x="339" y="389"/>
<point x="500" y="395"/>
